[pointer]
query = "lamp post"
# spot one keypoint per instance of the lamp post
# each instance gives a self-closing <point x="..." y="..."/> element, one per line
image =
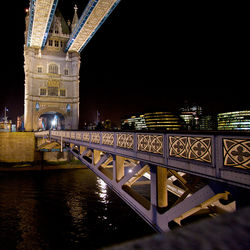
<point x="5" y="114"/>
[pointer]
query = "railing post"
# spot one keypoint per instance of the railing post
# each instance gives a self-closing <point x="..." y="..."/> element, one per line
<point x="100" y="133"/>
<point x="115" y="139"/>
<point x="165" y="148"/>
<point x="135" y="142"/>
<point x="218" y="155"/>
<point x="90" y="137"/>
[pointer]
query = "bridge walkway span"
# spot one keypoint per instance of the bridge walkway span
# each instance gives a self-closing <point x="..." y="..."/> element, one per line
<point x="164" y="177"/>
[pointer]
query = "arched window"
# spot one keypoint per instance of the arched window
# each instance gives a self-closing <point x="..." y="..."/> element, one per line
<point x="53" y="69"/>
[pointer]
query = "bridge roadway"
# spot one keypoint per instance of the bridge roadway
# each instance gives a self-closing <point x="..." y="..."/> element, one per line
<point x="172" y="168"/>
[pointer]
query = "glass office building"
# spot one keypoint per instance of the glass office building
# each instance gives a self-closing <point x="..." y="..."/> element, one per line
<point x="134" y="123"/>
<point x="238" y="120"/>
<point x="162" y="121"/>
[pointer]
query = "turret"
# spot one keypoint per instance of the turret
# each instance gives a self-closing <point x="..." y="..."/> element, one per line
<point x="75" y="19"/>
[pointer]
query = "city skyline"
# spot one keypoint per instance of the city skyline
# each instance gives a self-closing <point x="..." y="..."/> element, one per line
<point x="196" y="51"/>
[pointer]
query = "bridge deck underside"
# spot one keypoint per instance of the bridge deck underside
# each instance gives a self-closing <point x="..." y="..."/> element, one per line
<point x="159" y="195"/>
<point x="40" y="19"/>
<point x="91" y="20"/>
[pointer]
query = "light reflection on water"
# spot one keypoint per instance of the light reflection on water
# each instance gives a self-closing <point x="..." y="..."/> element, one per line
<point x="67" y="209"/>
<point x="102" y="186"/>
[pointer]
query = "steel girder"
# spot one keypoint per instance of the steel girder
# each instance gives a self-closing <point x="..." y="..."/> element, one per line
<point x="92" y="18"/>
<point x="41" y="15"/>
<point x="150" y="200"/>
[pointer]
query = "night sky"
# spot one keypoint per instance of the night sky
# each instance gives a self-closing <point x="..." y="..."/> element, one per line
<point x="146" y="57"/>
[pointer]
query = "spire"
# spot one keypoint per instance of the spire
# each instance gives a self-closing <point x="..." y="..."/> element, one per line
<point x="75" y="19"/>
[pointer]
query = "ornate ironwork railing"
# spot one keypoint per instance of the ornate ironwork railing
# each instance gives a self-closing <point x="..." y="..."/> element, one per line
<point x="217" y="156"/>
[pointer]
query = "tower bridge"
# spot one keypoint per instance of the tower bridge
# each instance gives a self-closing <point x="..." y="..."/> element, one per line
<point x="52" y="61"/>
<point x="165" y="178"/>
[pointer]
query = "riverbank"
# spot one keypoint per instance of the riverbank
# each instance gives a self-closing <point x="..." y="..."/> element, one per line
<point x="9" y="167"/>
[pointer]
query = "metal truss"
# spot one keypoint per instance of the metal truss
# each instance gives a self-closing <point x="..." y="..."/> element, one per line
<point x="92" y="18"/>
<point x="159" y="195"/>
<point x="41" y="15"/>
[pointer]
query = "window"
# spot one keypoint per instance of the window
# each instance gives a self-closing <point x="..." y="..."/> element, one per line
<point x="66" y="72"/>
<point x="53" y="69"/>
<point x="42" y="91"/>
<point x="56" y="43"/>
<point x="39" y="69"/>
<point x="50" y="42"/>
<point x="61" y="43"/>
<point x="52" y="91"/>
<point x="62" y="92"/>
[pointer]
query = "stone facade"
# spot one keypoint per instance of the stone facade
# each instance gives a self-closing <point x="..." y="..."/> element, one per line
<point x="52" y="78"/>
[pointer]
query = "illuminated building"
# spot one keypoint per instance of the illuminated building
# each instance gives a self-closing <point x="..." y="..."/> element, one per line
<point x="238" y="120"/>
<point x="51" y="77"/>
<point x="191" y="116"/>
<point x="139" y="122"/>
<point x="162" y="121"/>
<point x="134" y="122"/>
<point x="208" y="122"/>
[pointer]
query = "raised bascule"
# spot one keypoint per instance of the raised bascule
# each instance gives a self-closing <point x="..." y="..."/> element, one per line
<point x="52" y="61"/>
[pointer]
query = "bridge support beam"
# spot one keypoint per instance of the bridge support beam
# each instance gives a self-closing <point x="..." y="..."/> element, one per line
<point x="162" y="190"/>
<point x="96" y="156"/>
<point x="119" y="167"/>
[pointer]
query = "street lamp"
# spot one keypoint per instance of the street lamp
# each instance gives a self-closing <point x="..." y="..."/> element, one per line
<point x="5" y="115"/>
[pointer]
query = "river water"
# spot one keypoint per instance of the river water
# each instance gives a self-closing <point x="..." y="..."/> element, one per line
<point x="63" y="209"/>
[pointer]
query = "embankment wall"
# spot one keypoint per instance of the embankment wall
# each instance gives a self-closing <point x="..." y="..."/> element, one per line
<point x="17" y="147"/>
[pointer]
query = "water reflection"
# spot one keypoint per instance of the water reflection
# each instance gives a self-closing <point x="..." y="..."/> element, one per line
<point x="102" y="187"/>
<point x="63" y="210"/>
<point x="74" y="203"/>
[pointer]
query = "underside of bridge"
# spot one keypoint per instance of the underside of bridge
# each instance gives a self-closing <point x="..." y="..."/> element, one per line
<point x="161" y="196"/>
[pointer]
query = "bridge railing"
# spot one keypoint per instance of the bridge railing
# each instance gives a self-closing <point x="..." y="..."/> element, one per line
<point x="216" y="156"/>
<point x="45" y="133"/>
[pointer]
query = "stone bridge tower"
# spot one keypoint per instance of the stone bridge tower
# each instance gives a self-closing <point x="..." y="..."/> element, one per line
<point x="52" y="80"/>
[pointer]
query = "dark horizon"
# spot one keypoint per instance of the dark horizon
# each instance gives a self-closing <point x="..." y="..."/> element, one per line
<point x="146" y="57"/>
